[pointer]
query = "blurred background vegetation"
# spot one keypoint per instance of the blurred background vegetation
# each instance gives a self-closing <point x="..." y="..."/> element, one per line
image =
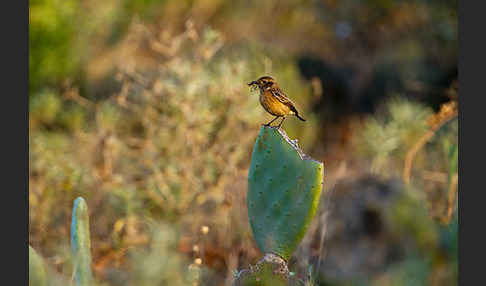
<point x="142" y="108"/>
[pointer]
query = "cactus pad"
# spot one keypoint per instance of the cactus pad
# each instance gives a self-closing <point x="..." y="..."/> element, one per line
<point x="80" y="243"/>
<point x="37" y="269"/>
<point x="284" y="187"/>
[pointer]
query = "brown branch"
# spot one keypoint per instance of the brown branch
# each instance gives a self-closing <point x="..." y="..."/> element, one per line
<point x="452" y="198"/>
<point x="412" y="152"/>
<point x="447" y="113"/>
<point x="72" y="93"/>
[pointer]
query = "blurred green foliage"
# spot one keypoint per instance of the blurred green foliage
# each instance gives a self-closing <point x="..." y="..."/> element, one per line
<point x="387" y="137"/>
<point x="53" y="43"/>
<point x="64" y="35"/>
<point x="162" y="264"/>
<point x="46" y="106"/>
<point x="386" y="140"/>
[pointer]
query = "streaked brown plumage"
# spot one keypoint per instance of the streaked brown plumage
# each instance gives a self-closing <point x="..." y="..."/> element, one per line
<point x="274" y="100"/>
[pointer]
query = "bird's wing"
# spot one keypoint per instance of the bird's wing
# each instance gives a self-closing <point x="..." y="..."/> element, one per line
<point x="280" y="95"/>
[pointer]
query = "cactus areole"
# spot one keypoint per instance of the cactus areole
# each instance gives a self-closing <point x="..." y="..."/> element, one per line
<point x="284" y="187"/>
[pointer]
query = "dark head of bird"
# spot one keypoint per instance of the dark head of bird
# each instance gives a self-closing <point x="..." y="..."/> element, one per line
<point x="262" y="82"/>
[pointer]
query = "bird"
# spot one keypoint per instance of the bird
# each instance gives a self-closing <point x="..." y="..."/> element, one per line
<point x="274" y="100"/>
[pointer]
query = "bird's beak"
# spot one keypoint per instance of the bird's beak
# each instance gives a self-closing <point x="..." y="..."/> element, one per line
<point x="252" y="83"/>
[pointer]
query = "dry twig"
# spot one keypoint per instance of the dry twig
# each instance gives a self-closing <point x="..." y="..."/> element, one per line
<point x="447" y="112"/>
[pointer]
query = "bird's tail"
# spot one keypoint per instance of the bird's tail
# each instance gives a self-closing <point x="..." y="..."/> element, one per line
<point x="298" y="116"/>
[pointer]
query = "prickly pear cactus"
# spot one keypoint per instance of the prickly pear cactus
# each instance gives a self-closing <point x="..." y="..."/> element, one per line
<point x="37" y="270"/>
<point x="270" y="270"/>
<point x="80" y="243"/>
<point x="284" y="186"/>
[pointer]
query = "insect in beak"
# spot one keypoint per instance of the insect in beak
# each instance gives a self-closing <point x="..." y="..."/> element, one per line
<point x="253" y="85"/>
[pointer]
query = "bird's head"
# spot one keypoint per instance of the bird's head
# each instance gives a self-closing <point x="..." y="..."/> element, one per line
<point x="263" y="82"/>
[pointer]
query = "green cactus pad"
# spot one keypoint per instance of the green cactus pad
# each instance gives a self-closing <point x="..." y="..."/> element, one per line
<point x="80" y="243"/>
<point x="37" y="269"/>
<point x="284" y="187"/>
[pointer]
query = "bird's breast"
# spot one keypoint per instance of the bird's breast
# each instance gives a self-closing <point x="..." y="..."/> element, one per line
<point x="272" y="105"/>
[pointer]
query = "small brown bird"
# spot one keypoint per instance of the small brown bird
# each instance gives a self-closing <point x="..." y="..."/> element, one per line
<point x="274" y="100"/>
